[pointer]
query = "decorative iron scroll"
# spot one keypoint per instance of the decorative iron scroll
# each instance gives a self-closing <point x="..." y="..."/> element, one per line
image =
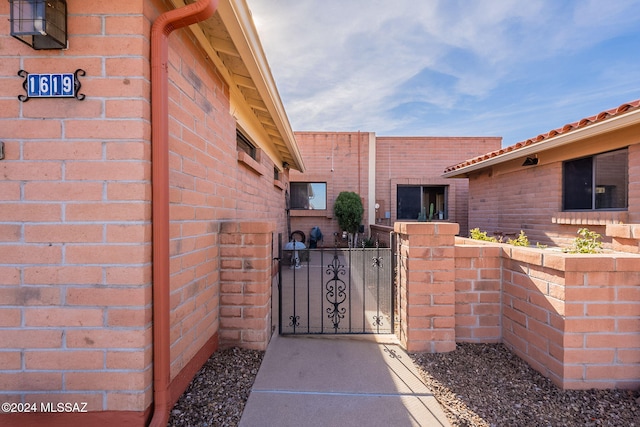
<point x="336" y="291"/>
<point x="377" y="320"/>
<point x="295" y="321"/>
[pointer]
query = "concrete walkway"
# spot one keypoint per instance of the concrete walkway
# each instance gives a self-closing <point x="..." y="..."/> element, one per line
<point x="339" y="381"/>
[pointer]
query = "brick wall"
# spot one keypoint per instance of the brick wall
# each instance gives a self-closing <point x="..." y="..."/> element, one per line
<point x="421" y="161"/>
<point x="574" y="317"/>
<point x="426" y="285"/>
<point x="342" y="161"/>
<point x="75" y="251"/>
<point x="571" y="317"/>
<point x="509" y="197"/>
<point x="478" y="292"/>
<point x="245" y="287"/>
<point x="625" y="237"/>
<point x="75" y="211"/>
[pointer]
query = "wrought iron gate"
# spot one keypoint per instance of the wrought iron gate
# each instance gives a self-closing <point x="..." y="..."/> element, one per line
<point x="336" y="290"/>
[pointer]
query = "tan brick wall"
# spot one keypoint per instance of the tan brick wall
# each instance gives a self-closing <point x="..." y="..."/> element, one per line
<point x="342" y="161"/>
<point x="478" y="272"/>
<point x="75" y="211"/>
<point x="571" y="317"/>
<point x="74" y="205"/>
<point x="426" y="284"/>
<point x="509" y="197"/>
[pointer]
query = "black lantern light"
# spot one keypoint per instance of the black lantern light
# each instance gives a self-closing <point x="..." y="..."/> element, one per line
<point x="42" y="24"/>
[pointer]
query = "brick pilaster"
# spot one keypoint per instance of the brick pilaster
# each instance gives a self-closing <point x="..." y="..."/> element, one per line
<point x="426" y="274"/>
<point x="245" y="283"/>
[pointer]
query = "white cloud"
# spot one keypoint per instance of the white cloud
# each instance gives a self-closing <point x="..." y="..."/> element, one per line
<point x="347" y="64"/>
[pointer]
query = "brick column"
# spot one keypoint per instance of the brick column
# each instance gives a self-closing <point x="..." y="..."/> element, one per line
<point x="426" y="276"/>
<point x="245" y="284"/>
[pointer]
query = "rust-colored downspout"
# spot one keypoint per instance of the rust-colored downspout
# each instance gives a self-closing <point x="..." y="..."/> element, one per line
<point x="160" y="31"/>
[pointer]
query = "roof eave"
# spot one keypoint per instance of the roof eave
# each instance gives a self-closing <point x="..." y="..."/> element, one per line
<point x="595" y="129"/>
<point x="237" y="18"/>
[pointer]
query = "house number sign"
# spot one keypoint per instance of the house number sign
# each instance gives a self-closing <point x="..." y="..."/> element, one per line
<point x="55" y="85"/>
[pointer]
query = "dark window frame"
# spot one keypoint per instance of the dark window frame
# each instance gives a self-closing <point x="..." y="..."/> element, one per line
<point x="243" y="144"/>
<point x="418" y="200"/>
<point x="583" y="189"/>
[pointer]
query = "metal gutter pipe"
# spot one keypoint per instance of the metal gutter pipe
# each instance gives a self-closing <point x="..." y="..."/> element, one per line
<point x="162" y="27"/>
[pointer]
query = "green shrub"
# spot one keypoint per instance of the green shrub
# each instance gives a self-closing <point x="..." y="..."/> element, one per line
<point x="349" y="210"/>
<point x="521" y="240"/>
<point x="587" y="242"/>
<point x="476" y="234"/>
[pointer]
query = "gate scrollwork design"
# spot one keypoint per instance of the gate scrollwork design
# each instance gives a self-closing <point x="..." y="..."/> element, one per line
<point x="336" y="291"/>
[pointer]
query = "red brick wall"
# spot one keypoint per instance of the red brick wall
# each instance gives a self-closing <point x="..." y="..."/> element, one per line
<point x="75" y="273"/>
<point x="75" y="211"/>
<point x="245" y="286"/>
<point x="426" y="286"/>
<point x="572" y="317"/>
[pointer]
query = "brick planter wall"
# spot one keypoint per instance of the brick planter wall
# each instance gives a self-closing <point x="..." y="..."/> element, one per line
<point x="624" y="237"/>
<point x="572" y="317"/>
<point x="478" y="293"/>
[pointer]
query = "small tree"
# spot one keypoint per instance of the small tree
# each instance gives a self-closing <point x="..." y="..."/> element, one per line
<point x="349" y="210"/>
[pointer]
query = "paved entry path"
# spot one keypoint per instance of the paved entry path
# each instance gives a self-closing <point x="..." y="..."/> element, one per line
<point x="308" y="381"/>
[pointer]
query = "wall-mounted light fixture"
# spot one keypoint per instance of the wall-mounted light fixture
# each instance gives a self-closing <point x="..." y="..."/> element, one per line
<point x="285" y="165"/>
<point x="531" y="161"/>
<point x="42" y="24"/>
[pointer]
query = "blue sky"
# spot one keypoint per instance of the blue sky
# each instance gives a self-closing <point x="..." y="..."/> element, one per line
<point x="509" y="68"/>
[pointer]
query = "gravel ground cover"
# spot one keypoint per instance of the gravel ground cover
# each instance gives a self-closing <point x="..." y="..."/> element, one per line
<point x="219" y="391"/>
<point x="487" y="385"/>
<point x="478" y="385"/>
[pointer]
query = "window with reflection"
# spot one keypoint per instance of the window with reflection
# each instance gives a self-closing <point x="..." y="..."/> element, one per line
<point x="596" y="182"/>
<point x="308" y="195"/>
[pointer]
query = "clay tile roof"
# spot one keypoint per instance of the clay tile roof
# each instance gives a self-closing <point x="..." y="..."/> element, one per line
<point x="622" y="109"/>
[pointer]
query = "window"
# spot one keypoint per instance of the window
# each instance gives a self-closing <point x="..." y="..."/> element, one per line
<point x="413" y="198"/>
<point x="243" y="144"/>
<point x="596" y="182"/>
<point x="308" y="195"/>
